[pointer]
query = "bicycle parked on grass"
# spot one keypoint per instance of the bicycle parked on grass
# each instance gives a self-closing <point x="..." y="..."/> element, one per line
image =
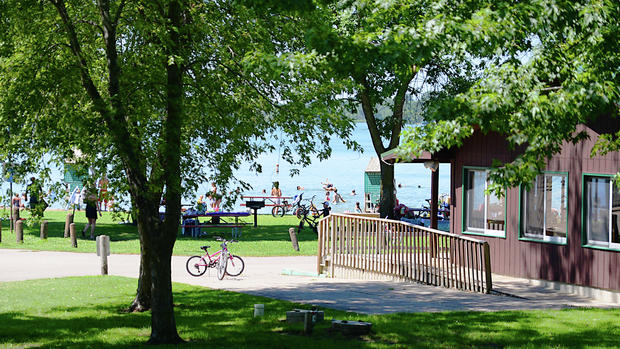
<point x="300" y="209"/>
<point x="281" y="209"/>
<point x="310" y="214"/>
<point x="224" y="262"/>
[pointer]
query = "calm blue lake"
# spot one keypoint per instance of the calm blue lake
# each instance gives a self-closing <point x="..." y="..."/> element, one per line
<point x="345" y="169"/>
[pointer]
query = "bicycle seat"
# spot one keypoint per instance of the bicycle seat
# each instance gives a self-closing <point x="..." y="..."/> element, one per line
<point x="205" y="247"/>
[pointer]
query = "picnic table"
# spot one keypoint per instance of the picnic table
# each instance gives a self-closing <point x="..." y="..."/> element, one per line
<point x="193" y="226"/>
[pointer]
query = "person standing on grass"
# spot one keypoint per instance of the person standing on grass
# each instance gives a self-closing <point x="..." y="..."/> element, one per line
<point x="103" y="193"/>
<point x="91" y="199"/>
<point x="36" y="203"/>
<point x="17" y="201"/>
<point x="276" y="191"/>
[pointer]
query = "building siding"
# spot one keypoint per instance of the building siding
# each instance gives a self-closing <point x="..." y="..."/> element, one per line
<point x="570" y="263"/>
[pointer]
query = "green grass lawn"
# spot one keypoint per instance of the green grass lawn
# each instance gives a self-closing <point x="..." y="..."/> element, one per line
<point x="270" y="238"/>
<point x="88" y="312"/>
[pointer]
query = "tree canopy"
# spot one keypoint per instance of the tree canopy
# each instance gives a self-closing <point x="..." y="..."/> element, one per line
<point x="162" y="95"/>
<point x="566" y="72"/>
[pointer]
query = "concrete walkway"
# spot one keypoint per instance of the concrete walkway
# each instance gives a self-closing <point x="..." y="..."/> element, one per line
<point x="263" y="276"/>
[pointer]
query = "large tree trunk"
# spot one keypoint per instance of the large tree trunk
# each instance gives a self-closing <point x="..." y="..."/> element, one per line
<point x="159" y="244"/>
<point x="388" y="199"/>
<point x="163" y="324"/>
<point x="142" y="302"/>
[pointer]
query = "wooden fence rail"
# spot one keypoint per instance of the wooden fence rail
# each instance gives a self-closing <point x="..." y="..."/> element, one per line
<point x="382" y="247"/>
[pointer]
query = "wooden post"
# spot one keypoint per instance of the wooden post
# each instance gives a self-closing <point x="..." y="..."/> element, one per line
<point x="72" y="235"/>
<point x="19" y="231"/>
<point x="68" y="221"/>
<point x="14" y="216"/>
<point x="487" y="267"/>
<point x="308" y="324"/>
<point x="103" y="251"/>
<point x="291" y="233"/>
<point x="434" y="209"/>
<point x="43" y="233"/>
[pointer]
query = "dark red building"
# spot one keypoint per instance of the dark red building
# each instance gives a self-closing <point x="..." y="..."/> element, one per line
<point x="565" y="228"/>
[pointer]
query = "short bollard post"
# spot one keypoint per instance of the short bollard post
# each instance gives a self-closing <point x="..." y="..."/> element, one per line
<point x="19" y="231"/>
<point x="15" y="218"/>
<point x="291" y="232"/>
<point x="43" y="233"/>
<point x="308" y="324"/>
<point x="103" y="251"/>
<point x="72" y="235"/>
<point x="68" y="221"/>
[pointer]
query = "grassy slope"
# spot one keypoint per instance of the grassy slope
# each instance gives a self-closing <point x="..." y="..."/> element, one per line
<point x="87" y="312"/>
<point x="270" y="238"/>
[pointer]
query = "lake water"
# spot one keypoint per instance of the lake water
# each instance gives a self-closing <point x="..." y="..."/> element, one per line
<point x="345" y="169"/>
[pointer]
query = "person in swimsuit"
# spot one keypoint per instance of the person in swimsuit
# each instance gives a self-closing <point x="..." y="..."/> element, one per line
<point x="91" y="199"/>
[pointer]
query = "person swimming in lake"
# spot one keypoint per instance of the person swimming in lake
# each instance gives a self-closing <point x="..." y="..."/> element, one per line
<point x="337" y="197"/>
<point x="299" y="187"/>
<point x="327" y="185"/>
<point x="358" y="209"/>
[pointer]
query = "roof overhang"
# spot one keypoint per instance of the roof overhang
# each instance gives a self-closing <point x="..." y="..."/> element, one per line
<point x="391" y="157"/>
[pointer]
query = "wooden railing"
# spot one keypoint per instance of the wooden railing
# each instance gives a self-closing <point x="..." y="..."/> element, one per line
<point x="380" y="247"/>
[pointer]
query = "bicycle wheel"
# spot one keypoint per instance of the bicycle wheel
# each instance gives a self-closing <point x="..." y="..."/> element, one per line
<point x="235" y="265"/>
<point x="300" y="212"/>
<point x="277" y="211"/>
<point x="281" y="211"/>
<point x="196" y="266"/>
<point x="221" y="266"/>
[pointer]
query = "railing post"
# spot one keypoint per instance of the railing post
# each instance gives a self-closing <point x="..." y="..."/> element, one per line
<point x="332" y="262"/>
<point x="319" y="248"/>
<point x="487" y="267"/>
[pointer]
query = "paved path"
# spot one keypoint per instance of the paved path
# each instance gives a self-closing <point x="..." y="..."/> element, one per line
<point x="263" y="276"/>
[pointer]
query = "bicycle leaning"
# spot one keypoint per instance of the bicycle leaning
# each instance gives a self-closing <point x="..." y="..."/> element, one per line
<point x="224" y="262"/>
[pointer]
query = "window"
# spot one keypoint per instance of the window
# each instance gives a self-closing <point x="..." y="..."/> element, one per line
<point x="601" y="211"/>
<point x="543" y="209"/>
<point x="484" y="214"/>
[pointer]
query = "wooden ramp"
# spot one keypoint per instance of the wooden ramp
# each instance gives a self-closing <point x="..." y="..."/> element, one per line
<point x="364" y="247"/>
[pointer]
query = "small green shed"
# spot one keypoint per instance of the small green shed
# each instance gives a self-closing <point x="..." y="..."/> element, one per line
<point x="72" y="178"/>
<point x="372" y="185"/>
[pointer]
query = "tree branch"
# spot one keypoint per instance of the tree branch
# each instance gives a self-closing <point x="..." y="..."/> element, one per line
<point x="369" y="115"/>
<point x="119" y="10"/>
<point x="399" y="103"/>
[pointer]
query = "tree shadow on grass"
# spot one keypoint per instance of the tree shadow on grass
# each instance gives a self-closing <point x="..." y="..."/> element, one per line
<point x="215" y="318"/>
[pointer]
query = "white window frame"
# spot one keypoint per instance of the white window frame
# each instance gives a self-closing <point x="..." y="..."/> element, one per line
<point x="478" y="231"/>
<point x="524" y="202"/>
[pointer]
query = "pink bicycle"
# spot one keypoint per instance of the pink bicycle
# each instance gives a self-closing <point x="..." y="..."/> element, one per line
<point x="222" y="260"/>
